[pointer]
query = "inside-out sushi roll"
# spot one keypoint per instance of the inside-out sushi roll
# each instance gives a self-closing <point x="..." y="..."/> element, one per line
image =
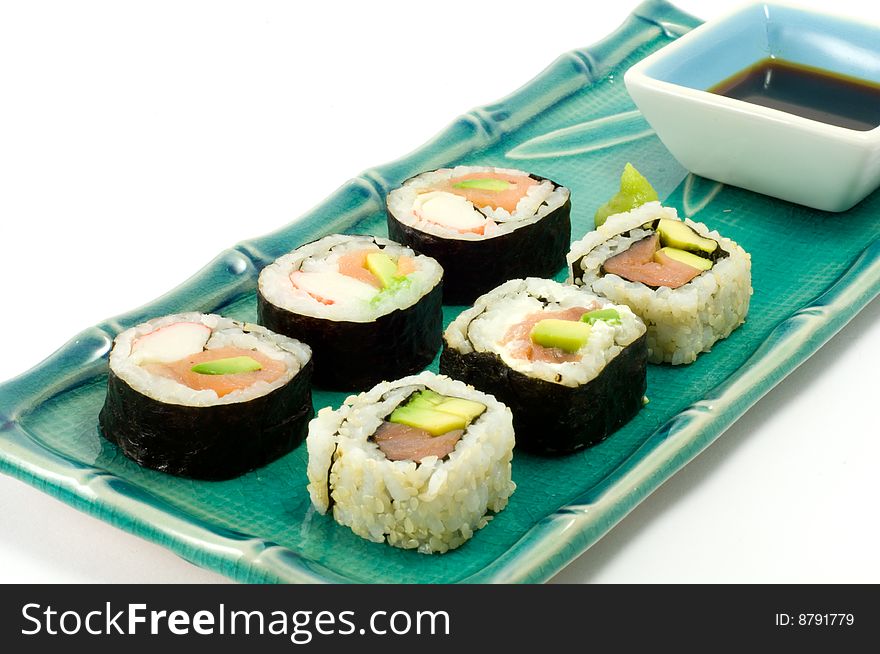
<point x="484" y="225"/>
<point x="690" y="285"/>
<point x="570" y="365"/>
<point x="420" y="463"/>
<point x="370" y="308"/>
<point x="206" y="397"/>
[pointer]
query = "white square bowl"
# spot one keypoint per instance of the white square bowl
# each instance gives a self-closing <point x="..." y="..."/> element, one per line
<point x="761" y="149"/>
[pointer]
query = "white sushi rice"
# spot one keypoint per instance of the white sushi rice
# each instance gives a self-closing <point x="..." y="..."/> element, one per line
<point x="539" y="201"/>
<point x="225" y="332"/>
<point x="482" y="328"/>
<point x="682" y="322"/>
<point x="323" y="255"/>
<point x="432" y="506"/>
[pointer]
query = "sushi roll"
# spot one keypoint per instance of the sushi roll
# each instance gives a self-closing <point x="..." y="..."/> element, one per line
<point x="690" y="285"/>
<point x="369" y="308"/>
<point x="570" y="365"/>
<point x="206" y="397"/>
<point x="420" y="463"/>
<point x="484" y="225"/>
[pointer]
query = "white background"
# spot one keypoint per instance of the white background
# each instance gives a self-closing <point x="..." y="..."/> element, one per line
<point x="137" y="140"/>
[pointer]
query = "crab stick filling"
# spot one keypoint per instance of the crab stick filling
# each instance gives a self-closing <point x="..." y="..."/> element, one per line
<point x="360" y="275"/>
<point x="451" y="211"/>
<point x="456" y="203"/>
<point x="234" y="368"/>
<point x="177" y="352"/>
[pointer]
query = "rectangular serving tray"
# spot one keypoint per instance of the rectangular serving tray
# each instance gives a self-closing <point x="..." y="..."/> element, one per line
<point x="575" y="124"/>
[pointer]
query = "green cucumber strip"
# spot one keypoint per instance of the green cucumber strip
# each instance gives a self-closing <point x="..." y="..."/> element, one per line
<point x="396" y="284"/>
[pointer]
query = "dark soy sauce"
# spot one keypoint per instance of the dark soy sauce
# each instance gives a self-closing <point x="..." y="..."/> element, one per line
<point x="806" y="91"/>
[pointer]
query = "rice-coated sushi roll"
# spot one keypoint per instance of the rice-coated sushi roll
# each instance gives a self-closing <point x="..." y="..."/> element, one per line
<point x="371" y="309"/>
<point x="570" y="365"/>
<point x="206" y="397"/>
<point x="420" y="463"/>
<point x="484" y="225"/>
<point x="690" y="285"/>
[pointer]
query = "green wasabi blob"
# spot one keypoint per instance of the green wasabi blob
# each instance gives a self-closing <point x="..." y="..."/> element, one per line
<point x="485" y="184"/>
<point x="229" y="366"/>
<point x="634" y="191"/>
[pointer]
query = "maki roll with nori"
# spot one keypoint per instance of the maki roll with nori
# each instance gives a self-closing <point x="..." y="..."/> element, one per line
<point x="206" y="397"/>
<point x="690" y="285"/>
<point x="484" y="225"/>
<point x="570" y="365"/>
<point x="420" y="463"/>
<point x="369" y="308"/>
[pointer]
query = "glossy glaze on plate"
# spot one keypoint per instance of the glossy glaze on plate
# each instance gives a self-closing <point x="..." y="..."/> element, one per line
<point x="574" y="123"/>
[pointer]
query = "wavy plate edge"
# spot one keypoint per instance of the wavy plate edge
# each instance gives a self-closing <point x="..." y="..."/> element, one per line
<point x="558" y="538"/>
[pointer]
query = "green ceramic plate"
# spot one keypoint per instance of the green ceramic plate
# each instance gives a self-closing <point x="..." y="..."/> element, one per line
<point x="576" y="124"/>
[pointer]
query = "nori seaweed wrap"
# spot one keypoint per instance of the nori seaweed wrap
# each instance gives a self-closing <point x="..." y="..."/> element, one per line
<point x="484" y="225"/>
<point x="570" y="365"/>
<point x="371" y="309"/>
<point x="206" y="397"/>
